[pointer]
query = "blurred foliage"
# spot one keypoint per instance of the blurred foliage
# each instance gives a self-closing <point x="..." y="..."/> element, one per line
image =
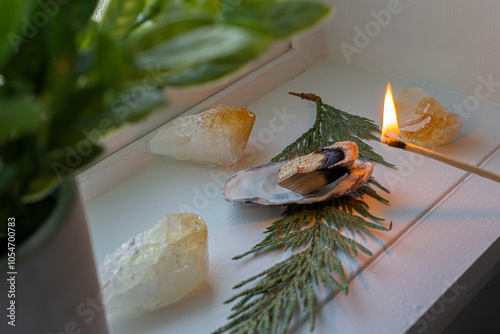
<point x="66" y="79"/>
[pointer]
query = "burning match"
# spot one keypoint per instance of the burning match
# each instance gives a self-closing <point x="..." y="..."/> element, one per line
<point x="390" y="127"/>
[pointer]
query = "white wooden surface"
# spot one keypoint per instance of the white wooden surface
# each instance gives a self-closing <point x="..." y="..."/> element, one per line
<point x="444" y="220"/>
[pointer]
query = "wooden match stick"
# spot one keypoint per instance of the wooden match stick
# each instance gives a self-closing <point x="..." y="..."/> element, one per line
<point x="440" y="157"/>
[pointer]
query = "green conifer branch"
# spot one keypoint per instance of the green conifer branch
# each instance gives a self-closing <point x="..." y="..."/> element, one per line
<point x="315" y="234"/>
<point x="333" y="125"/>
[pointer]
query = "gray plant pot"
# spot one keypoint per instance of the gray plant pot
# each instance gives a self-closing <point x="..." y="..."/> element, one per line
<point x="56" y="285"/>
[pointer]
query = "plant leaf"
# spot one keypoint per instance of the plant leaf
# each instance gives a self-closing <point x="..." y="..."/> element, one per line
<point x="277" y="18"/>
<point x="163" y="29"/>
<point x="10" y="36"/>
<point x="289" y="17"/>
<point x="119" y="17"/>
<point x="79" y="12"/>
<point x="60" y="61"/>
<point x="65" y="161"/>
<point x="151" y="9"/>
<point x="22" y="73"/>
<point x="131" y="105"/>
<point x="136" y="103"/>
<point x="39" y="188"/>
<point x="202" y="45"/>
<point x="8" y="173"/>
<point x="251" y="14"/>
<point x="204" y="72"/>
<point x="111" y="64"/>
<point x="19" y="118"/>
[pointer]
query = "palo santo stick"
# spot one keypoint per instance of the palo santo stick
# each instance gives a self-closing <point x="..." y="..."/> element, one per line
<point x="315" y="170"/>
<point x="440" y="157"/>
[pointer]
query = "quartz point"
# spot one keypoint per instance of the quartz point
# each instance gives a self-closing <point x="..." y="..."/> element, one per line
<point x="157" y="267"/>
<point x="423" y="121"/>
<point x="216" y="136"/>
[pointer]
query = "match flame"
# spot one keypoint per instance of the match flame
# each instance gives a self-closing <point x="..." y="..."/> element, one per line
<point x="390" y="120"/>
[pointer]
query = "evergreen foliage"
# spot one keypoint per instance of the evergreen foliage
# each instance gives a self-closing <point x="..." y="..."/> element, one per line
<point x="316" y="234"/>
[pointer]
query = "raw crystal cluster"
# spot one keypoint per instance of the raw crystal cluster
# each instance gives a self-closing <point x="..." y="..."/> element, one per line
<point x="158" y="266"/>
<point x="423" y="121"/>
<point x="215" y="137"/>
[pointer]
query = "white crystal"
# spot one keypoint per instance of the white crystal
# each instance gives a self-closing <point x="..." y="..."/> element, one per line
<point x="215" y="137"/>
<point x="156" y="267"/>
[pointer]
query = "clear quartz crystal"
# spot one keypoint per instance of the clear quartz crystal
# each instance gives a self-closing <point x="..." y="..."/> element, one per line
<point x="156" y="267"/>
<point x="214" y="137"/>
<point x="423" y="121"/>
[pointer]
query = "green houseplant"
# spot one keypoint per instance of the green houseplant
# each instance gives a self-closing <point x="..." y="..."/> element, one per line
<point x="65" y="76"/>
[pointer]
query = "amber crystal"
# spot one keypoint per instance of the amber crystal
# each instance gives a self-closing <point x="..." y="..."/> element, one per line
<point x="423" y="121"/>
<point x="215" y="137"/>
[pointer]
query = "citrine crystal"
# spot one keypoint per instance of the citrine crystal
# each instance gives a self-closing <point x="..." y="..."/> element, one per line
<point x="156" y="267"/>
<point x="423" y="121"/>
<point x="215" y="137"/>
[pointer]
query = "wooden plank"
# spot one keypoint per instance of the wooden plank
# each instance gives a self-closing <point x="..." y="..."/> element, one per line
<point x="422" y="270"/>
<point x="418" y="190"/>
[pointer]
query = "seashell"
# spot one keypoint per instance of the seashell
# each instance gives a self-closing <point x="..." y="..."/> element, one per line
<point x="259" y="185"/>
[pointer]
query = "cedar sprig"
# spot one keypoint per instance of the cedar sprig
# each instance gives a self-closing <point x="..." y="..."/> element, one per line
<point x="333" y="125"/>
<point x="269" y="305"/>
<point x="291" y="231"/>
<point x="316" y="234"/>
